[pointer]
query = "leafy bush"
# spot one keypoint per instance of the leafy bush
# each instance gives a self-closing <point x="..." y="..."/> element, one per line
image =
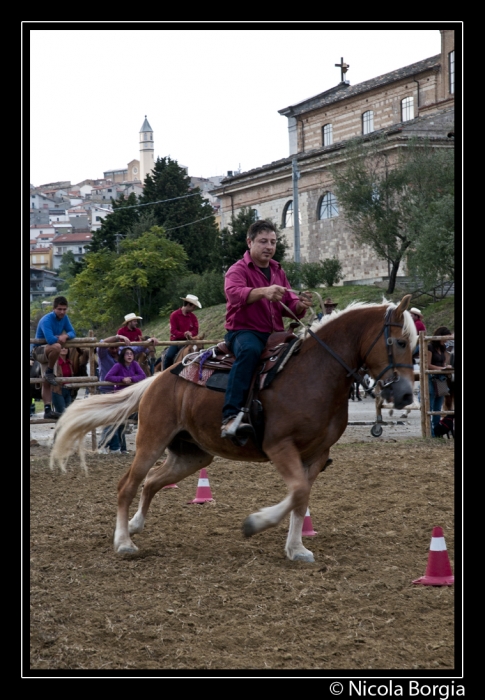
<point x="331" y="271"/>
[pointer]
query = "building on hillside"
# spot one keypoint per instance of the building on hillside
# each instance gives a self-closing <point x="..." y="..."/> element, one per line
<point x="41" y="257"/>
<point x="77" y="243"/>
<point x="38" y="229"/>
<point x="42" y="283"/>
<point x="416" y="100"/>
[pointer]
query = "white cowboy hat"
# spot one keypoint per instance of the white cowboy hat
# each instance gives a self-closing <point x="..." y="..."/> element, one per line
<point x="192" y="300"/>
<point x="132" y="317"/>
<point x="416" y="311"/>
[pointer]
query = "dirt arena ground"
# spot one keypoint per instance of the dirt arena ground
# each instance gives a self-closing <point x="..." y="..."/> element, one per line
<point x="201" y="599"/>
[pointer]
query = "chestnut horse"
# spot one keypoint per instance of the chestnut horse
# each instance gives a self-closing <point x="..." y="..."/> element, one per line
<point x="305" y="413"/>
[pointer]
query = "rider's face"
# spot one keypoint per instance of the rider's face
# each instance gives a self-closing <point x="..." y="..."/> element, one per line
<point x="262" y="248"/>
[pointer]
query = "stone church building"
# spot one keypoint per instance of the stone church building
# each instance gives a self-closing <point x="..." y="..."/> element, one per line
<point x="417" y="100"/>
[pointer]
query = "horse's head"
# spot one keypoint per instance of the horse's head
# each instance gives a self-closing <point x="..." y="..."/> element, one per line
<point x="388" y="354"/>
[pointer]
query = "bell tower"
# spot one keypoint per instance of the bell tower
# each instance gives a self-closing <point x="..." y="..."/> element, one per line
<point x="146" y="150"/>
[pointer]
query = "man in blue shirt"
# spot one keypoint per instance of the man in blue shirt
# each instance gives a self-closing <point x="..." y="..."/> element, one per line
<point x="55" y="329"/>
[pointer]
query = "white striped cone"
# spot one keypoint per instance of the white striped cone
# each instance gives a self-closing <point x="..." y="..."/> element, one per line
<point x="438" y="571"/>
<point x="203" y="493"/>
<point x="307" y="529"/>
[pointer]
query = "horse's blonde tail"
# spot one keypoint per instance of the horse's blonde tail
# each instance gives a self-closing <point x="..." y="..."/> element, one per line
<point x="88" y="414"/>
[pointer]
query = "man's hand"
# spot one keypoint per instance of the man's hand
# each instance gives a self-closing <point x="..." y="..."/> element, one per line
<point x="274" y="292"/>
<point x="188" y="335"/>
<point x="304" y="301"/>
<point x="122" y="339"/>
<point x="62" y="338"/>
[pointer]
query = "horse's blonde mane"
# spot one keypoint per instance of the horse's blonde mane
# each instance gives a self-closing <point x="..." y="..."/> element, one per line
<point x="409" y="328"/>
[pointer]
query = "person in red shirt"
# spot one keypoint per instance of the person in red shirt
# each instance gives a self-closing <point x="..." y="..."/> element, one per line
<point x="130" y="330"/>
<point x="61" y="395"/>
<point x="184" y="326"/>
<point x="254" y="286"/>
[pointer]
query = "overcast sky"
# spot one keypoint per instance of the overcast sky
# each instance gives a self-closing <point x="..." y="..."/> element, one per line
<point x="211" y="95"/>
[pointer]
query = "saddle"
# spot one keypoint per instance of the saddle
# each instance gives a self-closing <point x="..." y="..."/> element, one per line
<point x="210" y="368"/>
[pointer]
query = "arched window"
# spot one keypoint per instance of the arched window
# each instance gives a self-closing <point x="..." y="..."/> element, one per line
<point x="287" y="221"/>
<point x="328" y="206"/>
<point x="255" y="214"/>
<point x="327" y="135"/>
<point x="407" y="109"/>
<point x="368" y="122"/>
<point x="451" y="66"/>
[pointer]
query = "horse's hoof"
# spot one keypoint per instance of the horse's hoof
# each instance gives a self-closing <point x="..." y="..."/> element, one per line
<point x="248" y="528"/>
<point x="306" y="557"/>
<point x="127" y="549"/>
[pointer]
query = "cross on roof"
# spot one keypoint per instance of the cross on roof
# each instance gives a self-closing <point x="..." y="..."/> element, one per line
<point x="343" y="68"/>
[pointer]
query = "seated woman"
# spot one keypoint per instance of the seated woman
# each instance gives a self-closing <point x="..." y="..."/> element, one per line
<point x="125" y="372"/>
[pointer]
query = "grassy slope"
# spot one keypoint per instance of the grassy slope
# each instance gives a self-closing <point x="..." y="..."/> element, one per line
<point x="211" y="319"/>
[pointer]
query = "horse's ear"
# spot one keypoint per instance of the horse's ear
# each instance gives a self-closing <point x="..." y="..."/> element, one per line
<point x="403" y="306"/>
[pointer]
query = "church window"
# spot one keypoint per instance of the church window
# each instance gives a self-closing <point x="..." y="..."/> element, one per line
<point x="368" y="122"/>
<point x="407" y="109"/>
<point x="328" y="206"/>
<point x="288" y="215"/>
<point x="327" y="135"/>
<point x="451" y="62"/>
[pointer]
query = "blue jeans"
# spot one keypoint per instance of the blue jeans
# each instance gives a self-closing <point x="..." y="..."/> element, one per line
<point x="435" y="404"/>
<point x="170" y="355"/>
<point x="247" y="346"/>
<point x="117" y="442"/>
<point x="61" y="401"/>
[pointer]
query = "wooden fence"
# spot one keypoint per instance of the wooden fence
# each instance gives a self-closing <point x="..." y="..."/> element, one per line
<point x="91" y="343"/>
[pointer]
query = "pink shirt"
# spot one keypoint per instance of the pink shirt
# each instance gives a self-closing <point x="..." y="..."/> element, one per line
<point x="419" y="325"/>
<point x="180" y="323"/>
<point x="264" y="316"/>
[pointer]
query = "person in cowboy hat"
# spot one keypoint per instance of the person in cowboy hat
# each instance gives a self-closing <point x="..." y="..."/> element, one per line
<point x="184" y="326"/>
<point x="131" y="331"/>
<point x="329" y="305"/>
<point x="418" y="319"/>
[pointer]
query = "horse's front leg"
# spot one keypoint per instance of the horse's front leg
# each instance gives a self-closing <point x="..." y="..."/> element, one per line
<point x="287" y="460"/>
<point x="294" y="548"/>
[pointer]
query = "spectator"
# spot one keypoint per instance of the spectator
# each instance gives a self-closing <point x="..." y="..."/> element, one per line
<point x="125" y="372"/>
<point x="184" y="326"/>
<point x="436" y="360"/>
<point x="329" y="307"/>
<point x="107" y="358"/>
<point x="61" y="395"/>
<point x="55" y="329"/>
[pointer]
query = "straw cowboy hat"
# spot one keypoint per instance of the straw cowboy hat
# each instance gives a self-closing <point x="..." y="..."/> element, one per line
<point x="416" y="311"/>
<point x="132" y="317"/>
<point x="192" y="300"/>
<point x="328" y="302"/>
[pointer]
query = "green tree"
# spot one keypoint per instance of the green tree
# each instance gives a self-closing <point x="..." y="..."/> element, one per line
<point x="140" y="277"/>
<point x="68" y="269"/>
<point x="233" y="238"/>
<point x="186" y="217"/>
<point x="387" y="203"/>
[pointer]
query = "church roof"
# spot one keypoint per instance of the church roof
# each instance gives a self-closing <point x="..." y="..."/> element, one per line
<point x="344" y="90"/>
<point x="146" y="126"/>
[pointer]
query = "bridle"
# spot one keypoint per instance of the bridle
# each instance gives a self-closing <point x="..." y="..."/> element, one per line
<point x="389" y="345"/>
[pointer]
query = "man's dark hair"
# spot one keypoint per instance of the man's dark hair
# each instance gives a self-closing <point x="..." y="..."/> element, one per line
<point x="60" y="301"/>
<point x="259" y="226"/>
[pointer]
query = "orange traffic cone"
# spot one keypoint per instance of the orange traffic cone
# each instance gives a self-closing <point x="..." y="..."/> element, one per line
<point x="438" y="572"/>
<point x="307" y="529"/>
<point x="203" y="493"/>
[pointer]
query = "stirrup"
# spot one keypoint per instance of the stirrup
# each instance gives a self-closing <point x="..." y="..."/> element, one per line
<point x="238" y="431"/>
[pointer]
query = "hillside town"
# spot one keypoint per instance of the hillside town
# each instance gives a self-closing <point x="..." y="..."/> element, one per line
<point x="415" y="101"/>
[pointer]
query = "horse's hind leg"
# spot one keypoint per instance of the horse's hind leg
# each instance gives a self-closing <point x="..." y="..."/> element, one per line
<point x="184" y="459"/>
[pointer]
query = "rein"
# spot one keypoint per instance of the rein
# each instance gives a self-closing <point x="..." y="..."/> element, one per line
<point x="354" y="372"/>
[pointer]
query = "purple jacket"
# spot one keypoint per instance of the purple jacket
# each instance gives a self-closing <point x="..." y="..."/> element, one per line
<point x="264" y="316"/>
<point x="119" y="371"/>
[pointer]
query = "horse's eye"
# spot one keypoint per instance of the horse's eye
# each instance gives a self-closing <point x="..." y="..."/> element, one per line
<point x="401" y="343"/>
